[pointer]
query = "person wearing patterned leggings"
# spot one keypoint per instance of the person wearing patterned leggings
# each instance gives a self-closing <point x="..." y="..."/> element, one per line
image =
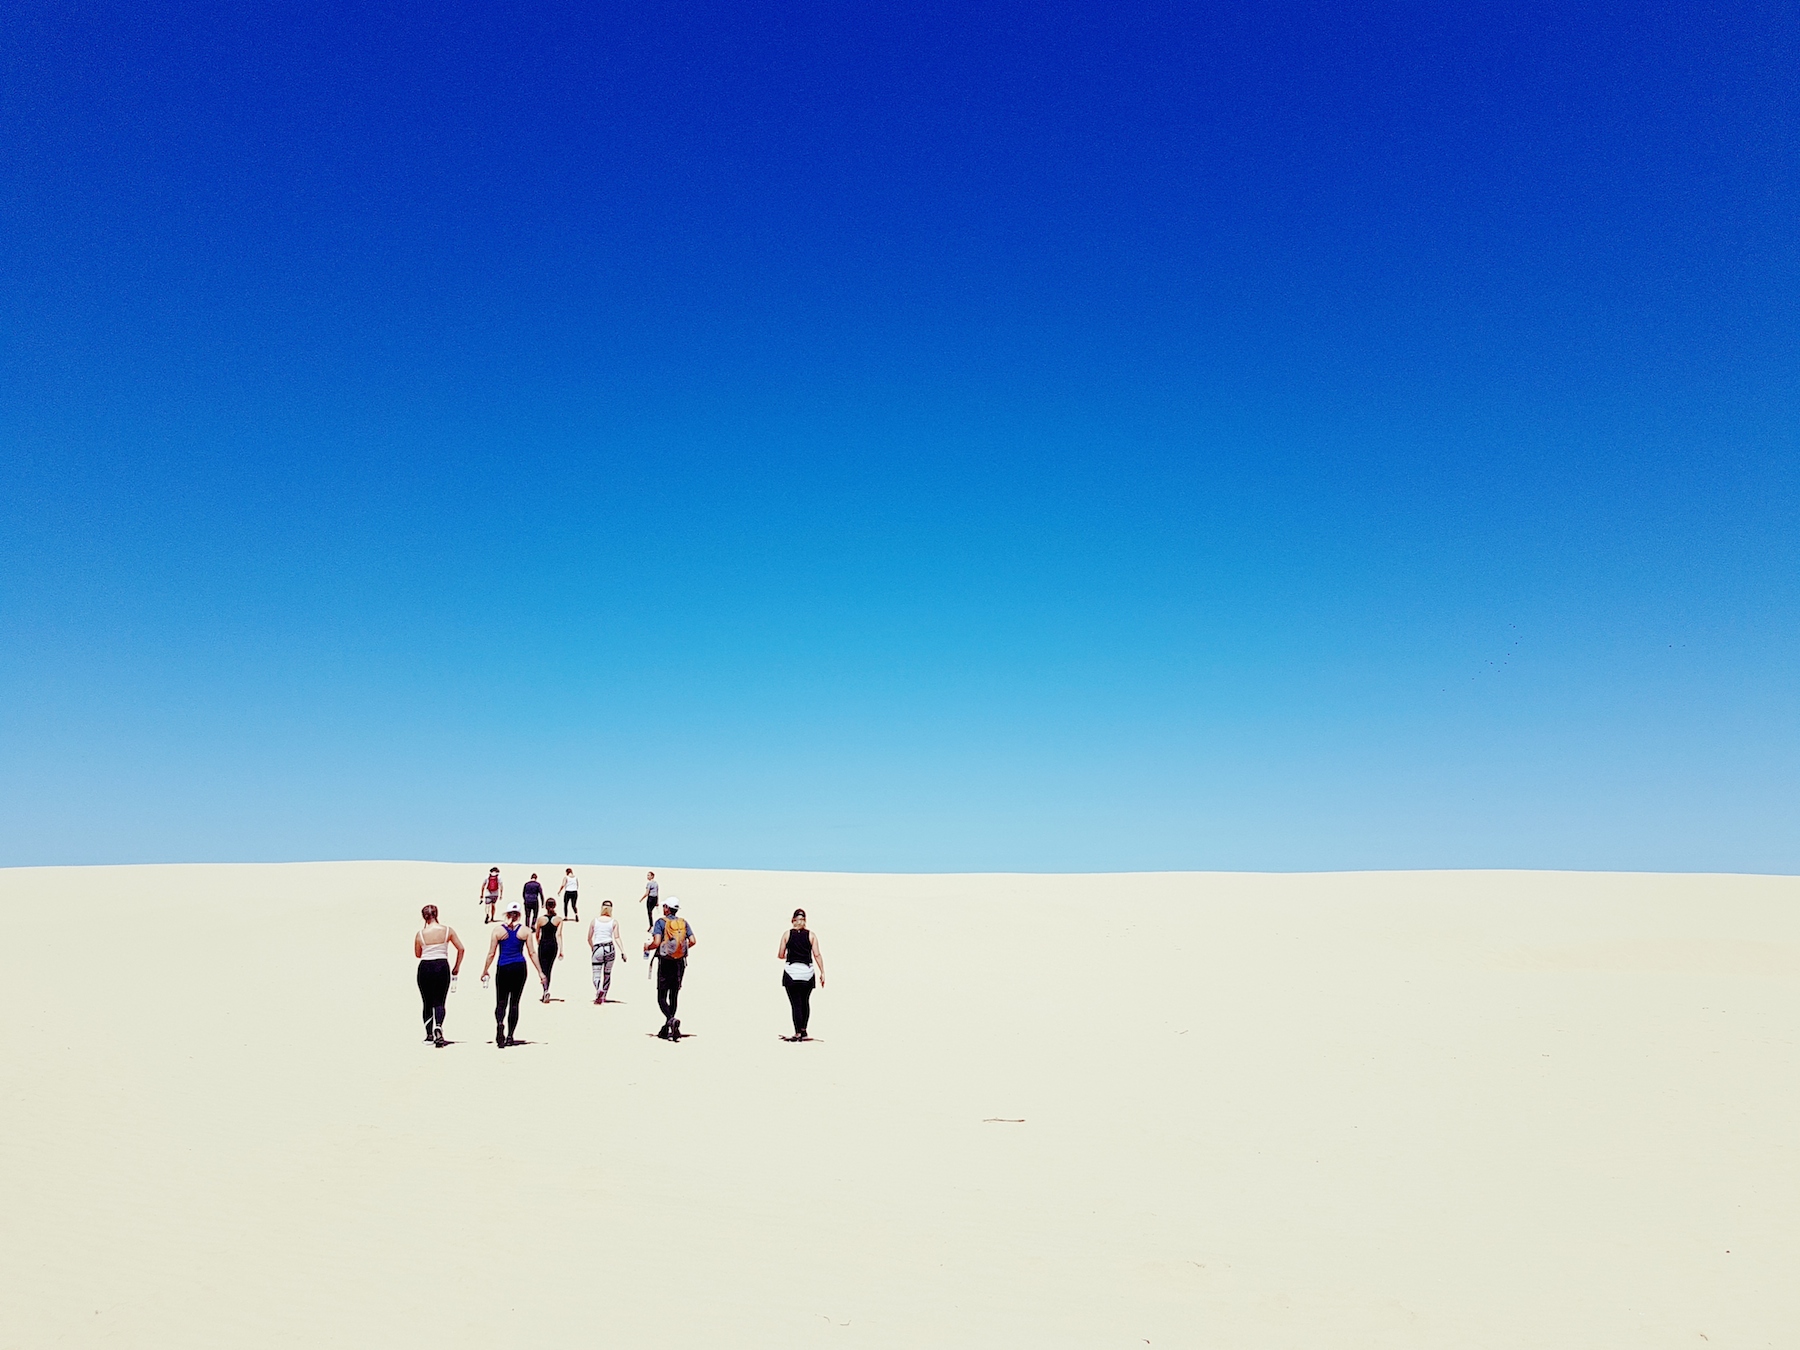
<point x="603" y="943"/>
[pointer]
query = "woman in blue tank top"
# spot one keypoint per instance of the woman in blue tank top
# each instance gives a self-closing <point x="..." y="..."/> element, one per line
<point x="512" y="944"/>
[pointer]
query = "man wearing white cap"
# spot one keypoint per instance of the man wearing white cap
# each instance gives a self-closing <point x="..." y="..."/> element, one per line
<point x="671" y="939"/>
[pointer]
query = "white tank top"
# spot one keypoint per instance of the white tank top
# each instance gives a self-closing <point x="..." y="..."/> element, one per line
<point x="434" y="951"/>
<point x="605" y="930"/>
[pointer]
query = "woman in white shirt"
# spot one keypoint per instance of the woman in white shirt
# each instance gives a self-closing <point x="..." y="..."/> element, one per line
<point x="431" y="946"/>
<point x="603" y="943"/>
<point x="570" y="894"/>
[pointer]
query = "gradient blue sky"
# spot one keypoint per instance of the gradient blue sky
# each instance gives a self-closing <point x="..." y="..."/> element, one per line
<point x="938" y="437"/>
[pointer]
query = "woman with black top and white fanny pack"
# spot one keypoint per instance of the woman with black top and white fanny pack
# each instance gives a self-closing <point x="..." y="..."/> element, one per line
<point x="803" y="970"/>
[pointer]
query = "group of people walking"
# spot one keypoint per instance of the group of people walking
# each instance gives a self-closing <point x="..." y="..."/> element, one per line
<point x="568" y="891"/>
<point x="528" y="938"/>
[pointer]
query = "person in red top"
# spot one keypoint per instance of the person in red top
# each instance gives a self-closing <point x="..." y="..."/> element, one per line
<point x="492" y="892"/>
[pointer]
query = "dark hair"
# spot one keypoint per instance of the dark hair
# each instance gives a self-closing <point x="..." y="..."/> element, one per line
<point x="797" y="914"/>
<point x="429" y="914"/>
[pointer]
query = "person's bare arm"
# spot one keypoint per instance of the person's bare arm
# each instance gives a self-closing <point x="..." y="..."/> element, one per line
<point x="419" y="943"/>
<point x="531" y="951"/>
<point x="781" y="946"/>
<point x="592" y="925"/>
<point x="818" y="959"/>
<point x="493" y="946"/>
<point x="456" y="942"/>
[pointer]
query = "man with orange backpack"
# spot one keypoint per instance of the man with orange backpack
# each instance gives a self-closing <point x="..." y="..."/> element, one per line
<point x="671" y="939"/>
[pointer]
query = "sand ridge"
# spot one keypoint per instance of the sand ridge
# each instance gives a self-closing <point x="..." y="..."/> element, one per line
<point x="1432" y="1109"/>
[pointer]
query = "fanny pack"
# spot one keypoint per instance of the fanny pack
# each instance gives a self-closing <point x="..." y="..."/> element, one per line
<point x="799" y="971"/>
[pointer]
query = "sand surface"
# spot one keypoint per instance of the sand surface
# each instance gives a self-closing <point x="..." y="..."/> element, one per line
<point x="1435" y="1110"/>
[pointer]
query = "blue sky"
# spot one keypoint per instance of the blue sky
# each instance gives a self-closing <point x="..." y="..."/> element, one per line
<point x="928" y="438"/>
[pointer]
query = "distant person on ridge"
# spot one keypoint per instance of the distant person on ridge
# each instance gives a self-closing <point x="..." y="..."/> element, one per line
<point x="533" y="892"/>
<point x="803" y="966"/>
<point x="671" y="939"/>
<point x="650" y="897"/>
<point x="603" y="941"/>
<point x="492" y="892"/>
<point x="569" y="893"/>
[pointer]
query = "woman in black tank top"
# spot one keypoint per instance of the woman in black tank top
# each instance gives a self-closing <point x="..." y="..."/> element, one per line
<point x="549" y="930"/>
<point x="799" y="947"/>
<point x="803" y="970"/>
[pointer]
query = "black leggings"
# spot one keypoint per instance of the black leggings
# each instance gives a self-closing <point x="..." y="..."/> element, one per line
<point x="799" y="994"/>
<point x="668" y="985"/>
<point x="434" y="988"/>
<point x="509" y="983"/>
<point x="546" y="959"/>
<point x="650" y="913"/>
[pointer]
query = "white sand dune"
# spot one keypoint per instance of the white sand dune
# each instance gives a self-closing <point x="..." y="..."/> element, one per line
<point x="1435" y="1110"/>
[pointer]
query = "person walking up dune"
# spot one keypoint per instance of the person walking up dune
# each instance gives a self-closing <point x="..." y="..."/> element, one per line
<point x="513" y="946"/>
<point x="672" y="939"/>
<point x="431" y="946"/>
<point x="603" y="943"/>
<point x="803" y="966"/>
<point x="570" y="893"/>
<point x="549" y="939"/>
<point x="651" y="898"/>
<point x="492" y="892"/>
<point x="533" y="892"/>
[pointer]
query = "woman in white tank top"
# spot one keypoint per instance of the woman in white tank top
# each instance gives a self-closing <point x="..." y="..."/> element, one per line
<point x="432" y="944"/>
<point x="603" y="944"/>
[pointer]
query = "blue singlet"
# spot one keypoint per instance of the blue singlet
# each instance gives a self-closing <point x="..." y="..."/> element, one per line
<point x="512" y="946"/>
